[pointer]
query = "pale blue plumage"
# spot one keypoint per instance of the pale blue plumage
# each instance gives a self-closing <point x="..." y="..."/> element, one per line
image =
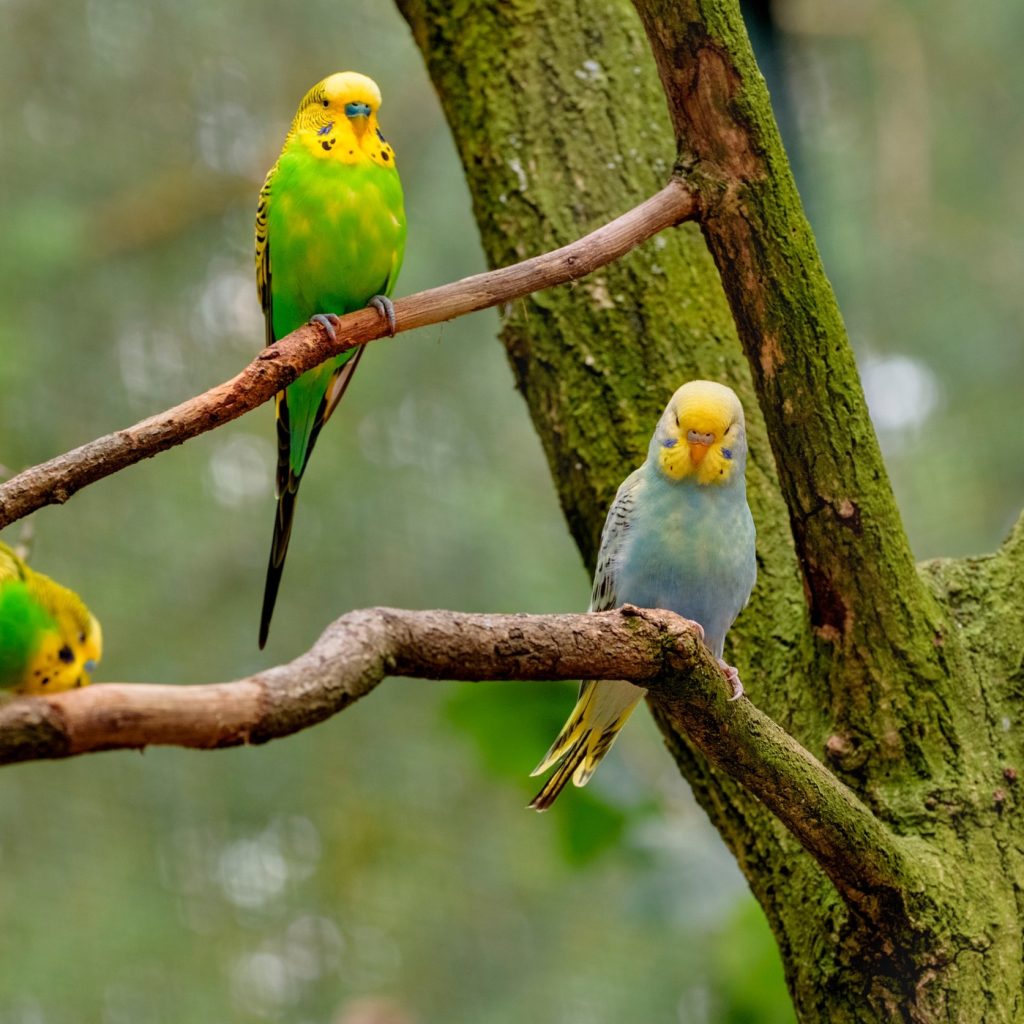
<point x="679" y="536"/>
<point x="690" y="549"/>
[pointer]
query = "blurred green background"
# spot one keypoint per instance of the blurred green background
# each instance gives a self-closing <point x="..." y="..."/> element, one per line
<point x="380" y="868"/>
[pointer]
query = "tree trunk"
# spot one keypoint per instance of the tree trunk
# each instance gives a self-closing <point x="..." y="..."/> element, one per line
<point x="905" y="681"/>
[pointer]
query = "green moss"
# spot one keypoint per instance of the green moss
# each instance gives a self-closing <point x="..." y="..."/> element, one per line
<point x="902" y="682"/>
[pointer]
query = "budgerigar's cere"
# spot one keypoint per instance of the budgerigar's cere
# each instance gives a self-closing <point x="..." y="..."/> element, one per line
<point x="330" y="235"/>
<point x="679" y="536"/>
<point x="49" y="640"/>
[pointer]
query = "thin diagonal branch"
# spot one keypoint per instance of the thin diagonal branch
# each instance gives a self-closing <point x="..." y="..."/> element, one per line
<point x="276" y="367"/>
<point x="654" y="648"/>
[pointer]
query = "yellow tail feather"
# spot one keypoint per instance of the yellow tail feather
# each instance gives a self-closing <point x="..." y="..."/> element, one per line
<point x="550" y="790"/>
<point x="601" y="711"/>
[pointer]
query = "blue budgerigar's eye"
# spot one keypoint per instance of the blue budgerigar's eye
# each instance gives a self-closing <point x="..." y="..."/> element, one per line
<point x="726" y="453"/>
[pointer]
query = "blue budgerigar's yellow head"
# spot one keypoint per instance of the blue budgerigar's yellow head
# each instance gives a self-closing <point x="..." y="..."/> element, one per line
<point x="337" y="120"/>
<point x="701" y="435"/>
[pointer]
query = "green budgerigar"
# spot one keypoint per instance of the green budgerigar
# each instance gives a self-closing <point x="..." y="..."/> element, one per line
<point x="330" y="235"/>
<point x="680" y="536"/>
<point x="49" y="640"/>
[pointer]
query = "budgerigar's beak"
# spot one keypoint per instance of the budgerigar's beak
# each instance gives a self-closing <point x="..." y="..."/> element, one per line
<point x="697" y="452"/>
<point x="359" y="117"/>
<point x="699" y="445"/>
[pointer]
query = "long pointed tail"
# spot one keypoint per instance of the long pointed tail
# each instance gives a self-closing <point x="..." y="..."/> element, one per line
<point x="288" y="479"/>
<point x="589" y="732"/>
<point x="283" y="520"/>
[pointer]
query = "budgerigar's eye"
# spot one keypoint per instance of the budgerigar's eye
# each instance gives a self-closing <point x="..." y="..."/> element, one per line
<point x="327" y="103"/>
<point x="66" y="655"/>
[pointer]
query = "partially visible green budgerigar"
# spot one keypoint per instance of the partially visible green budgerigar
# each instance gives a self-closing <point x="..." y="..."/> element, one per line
<point x="49" y="640"/>
<point x="330" y="235"/>
<point x="679" y="535"/>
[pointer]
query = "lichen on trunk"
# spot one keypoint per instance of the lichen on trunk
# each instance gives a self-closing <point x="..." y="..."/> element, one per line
<point x="906" y="682"/>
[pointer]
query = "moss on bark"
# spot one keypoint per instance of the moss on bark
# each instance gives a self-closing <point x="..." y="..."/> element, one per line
<point x="907" y="684"/>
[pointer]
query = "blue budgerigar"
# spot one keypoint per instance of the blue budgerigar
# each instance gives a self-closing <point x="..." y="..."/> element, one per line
<point x="680" y="536"/>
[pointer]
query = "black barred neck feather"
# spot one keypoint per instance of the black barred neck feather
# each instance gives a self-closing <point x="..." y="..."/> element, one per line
<point x="337" y="121"/>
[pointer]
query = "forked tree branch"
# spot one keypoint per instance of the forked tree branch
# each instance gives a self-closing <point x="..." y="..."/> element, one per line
<point x="864" y="595"/>
<point x="846" y="525"/>
<point x="656" y="649"/>
<point x="53" y="482"/>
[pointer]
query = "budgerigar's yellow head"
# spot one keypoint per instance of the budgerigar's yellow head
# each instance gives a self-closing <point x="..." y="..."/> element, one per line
<point x="66" y="655"/>
<point x="337" y="120"/>
<point x="701" y="435"/>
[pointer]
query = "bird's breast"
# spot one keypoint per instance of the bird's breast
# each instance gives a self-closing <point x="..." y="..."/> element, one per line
<point x="691" y="551"/>
<point x="336" y="234"/>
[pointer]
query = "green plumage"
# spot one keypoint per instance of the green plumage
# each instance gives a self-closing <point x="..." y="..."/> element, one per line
<point x="49" y="640"/>
<point x="330" y="235"/>
<point x="337" y="233"/>
<point x="23" y="622"/>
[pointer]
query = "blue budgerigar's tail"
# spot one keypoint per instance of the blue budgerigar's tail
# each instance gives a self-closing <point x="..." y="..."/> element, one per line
<point x="601" y="711"/>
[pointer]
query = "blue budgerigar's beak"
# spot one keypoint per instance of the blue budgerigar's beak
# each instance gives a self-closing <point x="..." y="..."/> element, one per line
<point x="699" y="444"/>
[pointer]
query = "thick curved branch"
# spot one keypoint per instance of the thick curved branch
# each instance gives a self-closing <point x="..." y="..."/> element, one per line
<point x="351" y="657"/>
<point x="276" y="367"/>
<point x="654" y="648"/>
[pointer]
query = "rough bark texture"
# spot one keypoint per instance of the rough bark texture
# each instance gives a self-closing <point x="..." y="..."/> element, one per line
<point x="871" y="867"/>
<point x="906" y="681"/>
<point x="351" y="657"/>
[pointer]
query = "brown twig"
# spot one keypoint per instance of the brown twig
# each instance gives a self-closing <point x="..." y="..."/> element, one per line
<point x="276" y="367"/>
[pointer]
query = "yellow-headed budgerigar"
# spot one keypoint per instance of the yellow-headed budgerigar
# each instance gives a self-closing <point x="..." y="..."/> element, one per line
<point x="330" y="235"/>
<point x="679" y="535"/>
<point x="49" y="641"/>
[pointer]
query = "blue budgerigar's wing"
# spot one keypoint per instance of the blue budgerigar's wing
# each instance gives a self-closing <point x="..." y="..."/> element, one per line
<point x="613" y="538"/>
<point x="602" y="707"/>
